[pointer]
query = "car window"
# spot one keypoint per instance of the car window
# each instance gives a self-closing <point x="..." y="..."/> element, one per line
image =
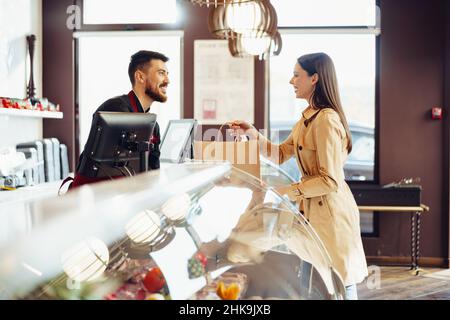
<point x="363" y="148"/>
<point x="360" y="162"/>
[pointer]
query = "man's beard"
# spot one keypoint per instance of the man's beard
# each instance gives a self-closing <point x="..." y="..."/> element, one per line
<point x="154" y="95"/>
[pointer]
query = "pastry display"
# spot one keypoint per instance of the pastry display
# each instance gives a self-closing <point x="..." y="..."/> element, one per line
<point x="177" y="208"/>
<point x="142" y="279"/>
<point x="144" y="227"/>
<point x="154" y="280"/>
<point x="228" y="286"/>
<point x="86" y="260"/>
<point x="200" y="242"/>
<point x="155" y="296"/>
<point x="128" y="291"/>
<point x="197" y="265"/>
<point x="228" y="292"/>
<point x="28" y="104"/>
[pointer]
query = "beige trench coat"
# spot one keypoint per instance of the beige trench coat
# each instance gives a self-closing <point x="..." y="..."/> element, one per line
<point x="326" y="200"/>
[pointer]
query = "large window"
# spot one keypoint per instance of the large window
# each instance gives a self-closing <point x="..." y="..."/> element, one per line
<point x="353" y="50"/>
<point x="103" y="60"/>
<point x="324" y="13"/>
<point x="354" y="58"/>
<point x="346" y="30"/>
<point x="129" y="12"/>
<point x="103" y="55"/>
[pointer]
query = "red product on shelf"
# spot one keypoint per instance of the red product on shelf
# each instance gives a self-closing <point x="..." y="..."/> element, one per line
<point x="41" y="104"/>
<point x="202" y="258"/>
<point x="154" y="280"/>
<point x="6" y="103"/>
<point x="143" y="279"/>
<point x="129" y="291"/>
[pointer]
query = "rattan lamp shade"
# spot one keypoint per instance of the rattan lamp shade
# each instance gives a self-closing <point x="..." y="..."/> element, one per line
<point x="241" y="46"/>
<point x="255" y="18"/>
<point x="216" y="3"/>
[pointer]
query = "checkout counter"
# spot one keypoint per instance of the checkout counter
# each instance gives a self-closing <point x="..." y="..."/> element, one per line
<point x="210" y="230"/>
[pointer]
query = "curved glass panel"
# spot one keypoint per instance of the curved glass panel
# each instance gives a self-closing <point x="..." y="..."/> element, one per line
<point x="274" y="175"/>
<point x="190" y="231"/>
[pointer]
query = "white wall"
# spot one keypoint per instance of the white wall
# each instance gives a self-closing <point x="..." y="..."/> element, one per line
<point x="19" y="18"/>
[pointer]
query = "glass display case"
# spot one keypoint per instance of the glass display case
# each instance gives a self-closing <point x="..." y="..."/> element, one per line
<point x="188" y="231"/>
<point x="274" y="175"/>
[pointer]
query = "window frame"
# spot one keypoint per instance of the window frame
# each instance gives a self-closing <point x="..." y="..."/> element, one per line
<point x="129" y="26"/>
<point x="377" y="22"/>
<point x="132" y="25"/>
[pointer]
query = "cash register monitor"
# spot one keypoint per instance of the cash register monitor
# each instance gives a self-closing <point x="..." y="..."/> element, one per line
<point x="176" y="144"/>
<point x="117" y="140"/>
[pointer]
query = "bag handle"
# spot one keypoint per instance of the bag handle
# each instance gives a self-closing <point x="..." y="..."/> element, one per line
<point x="63" y="183"/>
<point x="236" y="138"/>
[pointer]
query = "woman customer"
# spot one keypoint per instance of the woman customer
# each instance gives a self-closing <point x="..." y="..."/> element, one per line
<point x="321" y="142"/>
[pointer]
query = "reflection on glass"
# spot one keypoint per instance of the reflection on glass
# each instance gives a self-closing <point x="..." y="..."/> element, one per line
<point x="266" y="233"/>
<point x="213" y="209"/>
<point x="86" y="261"/>
<point x="173" y="261"/>
<point x="144" y="228"/>
<point x="256" y="232"/>
<point x="243" y="17"/>
<point x="233" y="230"/>
<point x="272" y="197"/>
<point x="177" y="208"/>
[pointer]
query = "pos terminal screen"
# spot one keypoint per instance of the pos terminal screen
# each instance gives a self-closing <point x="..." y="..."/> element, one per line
<point x="177" y="140"/>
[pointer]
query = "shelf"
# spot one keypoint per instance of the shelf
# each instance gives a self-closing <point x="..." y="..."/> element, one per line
<point x="31" y="113"/>
<point x="30" y="193"/>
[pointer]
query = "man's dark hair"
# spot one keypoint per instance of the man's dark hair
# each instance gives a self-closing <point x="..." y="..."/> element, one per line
<point x="141" y="59"/>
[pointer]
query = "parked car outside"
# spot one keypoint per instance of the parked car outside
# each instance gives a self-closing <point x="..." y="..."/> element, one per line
<point x="360" y="162"/>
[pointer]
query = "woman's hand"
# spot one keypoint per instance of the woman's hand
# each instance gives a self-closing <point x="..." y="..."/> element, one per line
<point x="243" y="128"/>
<point x="288" y="190"/>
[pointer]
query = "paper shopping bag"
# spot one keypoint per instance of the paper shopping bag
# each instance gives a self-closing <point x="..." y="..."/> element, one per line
<point x="243" y="155"/>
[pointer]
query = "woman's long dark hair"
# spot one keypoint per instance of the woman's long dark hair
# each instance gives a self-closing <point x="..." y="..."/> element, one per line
<point x="326" y="92"/>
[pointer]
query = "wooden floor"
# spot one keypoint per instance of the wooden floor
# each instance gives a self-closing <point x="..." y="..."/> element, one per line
<point x="398" y="283"/>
